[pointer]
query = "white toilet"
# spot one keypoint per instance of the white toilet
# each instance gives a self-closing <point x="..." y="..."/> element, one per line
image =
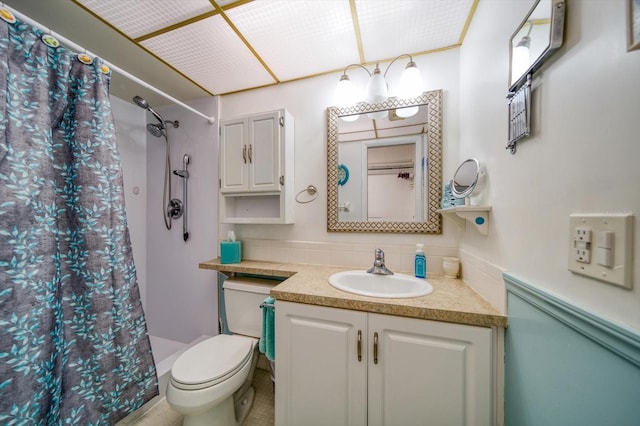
<point x="211" y="382"/>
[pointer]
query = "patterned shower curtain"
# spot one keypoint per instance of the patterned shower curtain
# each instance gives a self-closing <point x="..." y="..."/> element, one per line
<point x="74" y="347"/>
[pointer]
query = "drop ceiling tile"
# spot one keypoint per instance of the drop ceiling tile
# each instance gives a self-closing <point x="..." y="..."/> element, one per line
<point x="390" y="27"/>
<point x="299" y="38"/>
<point x="211" y="54"/>
<point x="141" y="17"/>
<point x="223" y="3"/>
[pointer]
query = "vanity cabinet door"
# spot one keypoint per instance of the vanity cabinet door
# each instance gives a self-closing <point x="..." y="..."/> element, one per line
<point x="319" y="380"/>
<point x="411" y="371"/>
<point x="429" y="373"/>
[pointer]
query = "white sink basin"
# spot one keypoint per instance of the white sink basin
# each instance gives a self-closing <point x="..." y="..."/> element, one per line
<point x="389" y="286"/>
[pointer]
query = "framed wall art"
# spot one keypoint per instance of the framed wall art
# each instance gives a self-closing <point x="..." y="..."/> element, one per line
<point x="633" y="25"/>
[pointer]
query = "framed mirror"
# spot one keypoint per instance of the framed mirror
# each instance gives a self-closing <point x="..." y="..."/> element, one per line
<point x="394" y="163"/>
<point x="539" y="35"/>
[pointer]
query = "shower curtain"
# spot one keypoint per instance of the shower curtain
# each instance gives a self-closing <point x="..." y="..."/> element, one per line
<point x="74" y="347"/>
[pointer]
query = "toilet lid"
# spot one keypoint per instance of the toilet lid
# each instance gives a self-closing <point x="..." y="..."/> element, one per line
<point x="211" y="361"/>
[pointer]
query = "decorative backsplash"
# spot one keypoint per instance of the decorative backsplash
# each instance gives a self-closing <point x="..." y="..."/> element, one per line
<point x="398" y="257"/>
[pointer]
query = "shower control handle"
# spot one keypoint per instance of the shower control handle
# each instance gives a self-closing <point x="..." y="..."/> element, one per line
<point x="174" y="209"/>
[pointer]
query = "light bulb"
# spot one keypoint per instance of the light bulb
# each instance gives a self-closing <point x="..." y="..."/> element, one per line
<point x="378" y="115"/>
<point x="353" y="117"/>
<point x="407" y="112"/>
<point x="410" y="85"/>
<point x="345" y="94"/>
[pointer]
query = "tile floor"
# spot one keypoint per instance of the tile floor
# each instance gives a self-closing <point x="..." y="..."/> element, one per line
<point x="260" y="415"/>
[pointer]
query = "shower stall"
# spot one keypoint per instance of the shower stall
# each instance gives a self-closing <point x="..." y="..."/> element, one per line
<point x="180" y="301"/>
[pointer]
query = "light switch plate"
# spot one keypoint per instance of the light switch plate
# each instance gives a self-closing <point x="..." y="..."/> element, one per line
<point x="621" y="224"/>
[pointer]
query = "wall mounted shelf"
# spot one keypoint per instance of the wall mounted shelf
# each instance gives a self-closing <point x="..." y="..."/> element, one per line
<point x="478" y="215"/>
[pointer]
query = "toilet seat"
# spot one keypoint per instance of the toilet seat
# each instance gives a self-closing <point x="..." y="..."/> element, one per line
<point x="211" y="361"/>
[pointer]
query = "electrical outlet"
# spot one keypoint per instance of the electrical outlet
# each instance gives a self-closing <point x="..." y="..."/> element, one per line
<point x="582" y="251"/>
<point x="583" y="234"/>
<point x="613" y="257"/>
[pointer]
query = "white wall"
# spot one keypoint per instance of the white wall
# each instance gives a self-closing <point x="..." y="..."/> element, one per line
<point x="307" y="101"/>
<point x="182" y="299"/>
<point x="582" y="156"/>
<point x="132" y="144"/>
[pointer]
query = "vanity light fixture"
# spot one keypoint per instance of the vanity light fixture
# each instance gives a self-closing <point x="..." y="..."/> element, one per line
<point x="377" y="91"/>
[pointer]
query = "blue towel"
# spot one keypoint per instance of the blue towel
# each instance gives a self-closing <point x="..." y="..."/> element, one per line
<point x="267" y="344"/>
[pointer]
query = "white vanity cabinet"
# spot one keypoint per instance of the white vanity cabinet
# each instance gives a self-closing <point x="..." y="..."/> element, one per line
<point x="341" y="367"/>
<point x="256" y="168"/>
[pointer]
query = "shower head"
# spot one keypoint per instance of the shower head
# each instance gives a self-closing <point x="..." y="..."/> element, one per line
<point x="156" y="130"/>
<point x="142" y="103"/>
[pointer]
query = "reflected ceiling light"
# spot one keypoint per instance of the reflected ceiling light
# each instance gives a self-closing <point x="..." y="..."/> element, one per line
<point x="521" y="54"/>
<point x="377" y="91"/>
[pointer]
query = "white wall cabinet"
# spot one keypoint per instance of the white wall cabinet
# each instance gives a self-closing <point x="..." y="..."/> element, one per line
<point x="256" y="168"/>
<point x="340" y="367"/>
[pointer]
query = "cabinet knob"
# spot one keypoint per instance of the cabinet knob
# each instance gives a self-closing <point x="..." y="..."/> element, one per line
<point x="250" y="153"/>
<point x="359" y="345"/>
<point x="244" y="153"/>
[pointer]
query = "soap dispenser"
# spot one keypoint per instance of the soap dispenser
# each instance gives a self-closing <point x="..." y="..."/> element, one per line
<point x="420" y="262"/>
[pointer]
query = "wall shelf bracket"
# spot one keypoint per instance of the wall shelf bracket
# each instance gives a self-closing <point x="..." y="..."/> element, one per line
<point x="477" y="215"/>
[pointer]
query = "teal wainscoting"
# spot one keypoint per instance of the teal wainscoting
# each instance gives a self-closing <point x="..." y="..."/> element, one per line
<point x="565" y="366"/>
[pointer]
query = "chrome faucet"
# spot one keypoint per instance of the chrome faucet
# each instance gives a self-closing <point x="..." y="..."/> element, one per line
<point x="378" y="267"/>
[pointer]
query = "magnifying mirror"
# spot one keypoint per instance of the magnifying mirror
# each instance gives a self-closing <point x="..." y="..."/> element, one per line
<point x="466" y="178"/>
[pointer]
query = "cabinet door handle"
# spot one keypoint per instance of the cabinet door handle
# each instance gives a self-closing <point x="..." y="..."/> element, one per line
<point x="375" y="347"/>
<point x="359" y="345"/>
<point x="244" y="153"/>
<point x="250" y="153"/>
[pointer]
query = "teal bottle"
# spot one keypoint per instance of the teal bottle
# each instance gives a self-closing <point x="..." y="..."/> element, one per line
<point x="420" y="262"/>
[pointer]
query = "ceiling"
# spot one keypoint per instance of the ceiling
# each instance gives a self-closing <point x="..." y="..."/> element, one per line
<point x="191" y="48"/>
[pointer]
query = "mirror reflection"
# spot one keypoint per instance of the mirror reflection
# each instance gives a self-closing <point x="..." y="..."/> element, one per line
<point x="391" y="182"/>
<point x="537" y="37"/>
<point x="381" y="169"/>
<point x="384" y="183"/>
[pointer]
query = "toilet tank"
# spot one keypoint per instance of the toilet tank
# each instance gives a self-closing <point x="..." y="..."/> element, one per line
<point x="242" y="299"/>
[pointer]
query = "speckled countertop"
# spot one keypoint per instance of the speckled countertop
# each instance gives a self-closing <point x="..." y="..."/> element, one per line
<point x="451" y="300"/>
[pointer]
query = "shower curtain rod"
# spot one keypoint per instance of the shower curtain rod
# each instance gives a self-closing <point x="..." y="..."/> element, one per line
<point x="78" y="48"/>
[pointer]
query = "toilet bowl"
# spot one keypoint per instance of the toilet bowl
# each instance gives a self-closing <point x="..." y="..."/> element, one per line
<point x="205" y="377"/>
<point x="211" y="382"/>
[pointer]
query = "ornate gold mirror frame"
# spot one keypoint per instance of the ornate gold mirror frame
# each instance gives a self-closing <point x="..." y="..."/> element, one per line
<point x="432" y="224"/>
